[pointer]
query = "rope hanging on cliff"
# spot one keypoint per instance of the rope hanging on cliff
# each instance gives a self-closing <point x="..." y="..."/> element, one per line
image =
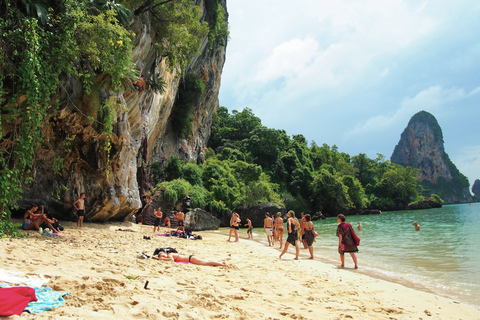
<point x="145" y="185"/>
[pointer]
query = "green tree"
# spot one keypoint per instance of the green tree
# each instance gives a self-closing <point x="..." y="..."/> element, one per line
<point x="330" y="195"/>
<point x="399" y="184"/>
<point x="173" y="168"/>
<point x="178" y="27"/>
<point x="193" y="174"/>
<point x="219" y="179"/>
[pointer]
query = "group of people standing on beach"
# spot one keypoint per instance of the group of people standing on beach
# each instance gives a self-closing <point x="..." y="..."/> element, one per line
<point x="303" y="230"/>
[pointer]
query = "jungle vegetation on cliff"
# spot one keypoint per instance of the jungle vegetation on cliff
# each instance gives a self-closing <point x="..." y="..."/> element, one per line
<point x="46" y="42"/>
<point x="248" y="163"/>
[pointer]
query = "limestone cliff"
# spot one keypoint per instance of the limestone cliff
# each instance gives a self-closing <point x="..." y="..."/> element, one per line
<point x="73" y="160"/>
<point x="421" y="146"/>
<point x="476" y="188"/>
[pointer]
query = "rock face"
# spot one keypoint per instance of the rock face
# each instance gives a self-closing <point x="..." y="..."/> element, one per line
<point x="199" y="220"/>
<point x="257" y="213"/>
<point x="73" y="157"/>
<point x="476" y="188"/>
<point x="426" y="204"/>
<point x="421" y="146"/>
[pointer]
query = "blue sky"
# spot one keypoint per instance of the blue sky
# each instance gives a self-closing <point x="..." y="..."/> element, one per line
<point x="353" y="73"/>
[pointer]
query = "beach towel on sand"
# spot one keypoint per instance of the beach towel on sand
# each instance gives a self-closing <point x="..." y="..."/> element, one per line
<point x="14" y="300"/>
<point x="47" y="299"/>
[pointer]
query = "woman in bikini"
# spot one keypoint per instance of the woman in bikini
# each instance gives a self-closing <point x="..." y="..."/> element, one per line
<point x="232" y="228"/>
<point x="309" y="236"/>
<point x="176" y="257"/>
<point x="293" y="226"/>
<point x="280" y="228"/>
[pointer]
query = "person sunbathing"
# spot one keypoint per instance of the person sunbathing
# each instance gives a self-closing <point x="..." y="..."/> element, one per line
<point x="176" y="257"/>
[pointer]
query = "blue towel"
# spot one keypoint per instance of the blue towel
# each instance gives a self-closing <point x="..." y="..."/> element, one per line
<point x="47" y="299"/>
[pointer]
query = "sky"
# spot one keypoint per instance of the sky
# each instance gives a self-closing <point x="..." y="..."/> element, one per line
<point x="352" y="73"/>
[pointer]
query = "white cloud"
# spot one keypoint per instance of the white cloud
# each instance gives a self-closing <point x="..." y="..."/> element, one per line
<point x="432" y="99"/>
<point x="287" y="59"/>
<point x="468" y="162"/>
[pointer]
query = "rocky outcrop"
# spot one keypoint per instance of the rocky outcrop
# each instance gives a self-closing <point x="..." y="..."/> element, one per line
<point x="421" y="146"/>
<point x="476" y="188"/>
<point x="364" y="212"/>
<point x="73" y="158"/>
<point x="199" y="220"/>
<point x="256" y="214"/>
<point x="426" y="204"/>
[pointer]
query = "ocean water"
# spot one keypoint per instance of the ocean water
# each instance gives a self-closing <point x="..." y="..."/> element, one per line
<point x="442" y="258"/>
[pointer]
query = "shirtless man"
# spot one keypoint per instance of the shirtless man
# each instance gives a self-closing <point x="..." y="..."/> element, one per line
<point x="158" y="218"/>
<point x="250" y="227"/>
<point x="417" y="226"/>
<point x="268" y="228"/>
<point x="180" y="217"/>
<point x="79" y="205"/>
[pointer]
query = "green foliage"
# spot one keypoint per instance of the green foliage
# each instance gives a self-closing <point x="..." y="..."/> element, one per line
<point x="106" y="44"/>
<point x="190" y="91"/>
<point x="218" y="178"/>
<point x="308" y="178"/>
<point x="178" y="27"/>
<point x="258" y="191"/>
<point x="59" y="189"/>
<point x="217" y="22"/>
<point x="173" y="168"/>
<point x="436" y="198"/>
<point x="330" y="193"/>
<point x="123" y="14"/>
<point x="174" y="190"/>
<point x="399" y="184"/>
<point x="156" y="173"/>
<point x="193" y="174"/>
<point x="200" y="197"/>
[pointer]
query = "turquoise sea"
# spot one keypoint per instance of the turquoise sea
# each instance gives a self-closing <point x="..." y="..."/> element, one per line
<point x="442" y="258"/>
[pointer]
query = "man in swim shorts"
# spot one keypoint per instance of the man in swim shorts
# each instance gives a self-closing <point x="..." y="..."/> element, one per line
<point x="79" y="205"/>
<point x="268" y="228"/>
<point x="180" y="218"/>
<point x="158" y="217"/>
<point x="250" y="228"/>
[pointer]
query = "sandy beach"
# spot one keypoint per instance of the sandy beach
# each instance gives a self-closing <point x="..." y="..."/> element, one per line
<point x="99" y="267"/>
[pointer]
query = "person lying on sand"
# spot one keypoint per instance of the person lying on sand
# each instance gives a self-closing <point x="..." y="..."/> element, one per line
<point x="177" y="257"/>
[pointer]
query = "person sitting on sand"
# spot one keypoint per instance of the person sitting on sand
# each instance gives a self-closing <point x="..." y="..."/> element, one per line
<point x="176" y="257"/>
<point x="33" y="219"/>
<point x="346" y="242"/>
<point x="166" y="222"/>
<point x="293" y="226"/>
<point x="417" y="226"/>
<point x="27" y="219"/>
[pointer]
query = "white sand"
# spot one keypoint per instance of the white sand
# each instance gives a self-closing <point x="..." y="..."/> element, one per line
<point x="256" y="285"/>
